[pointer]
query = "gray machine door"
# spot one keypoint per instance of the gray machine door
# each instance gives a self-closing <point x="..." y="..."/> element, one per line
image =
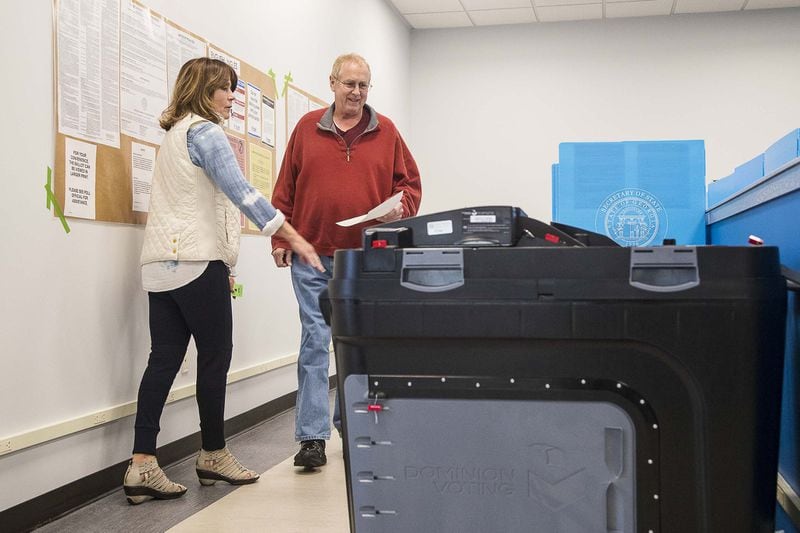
<point x="489" y="465"/>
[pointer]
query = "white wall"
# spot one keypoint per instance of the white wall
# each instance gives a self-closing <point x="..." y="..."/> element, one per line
<point x="73" y="318"/>
<point x="490" y="105"/>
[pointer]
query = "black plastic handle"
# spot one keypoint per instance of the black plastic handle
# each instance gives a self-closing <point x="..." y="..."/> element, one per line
<point x="792" y="278"/>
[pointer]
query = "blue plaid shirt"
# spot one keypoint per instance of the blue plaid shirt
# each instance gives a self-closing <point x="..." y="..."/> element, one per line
<point x="210" y="150"/>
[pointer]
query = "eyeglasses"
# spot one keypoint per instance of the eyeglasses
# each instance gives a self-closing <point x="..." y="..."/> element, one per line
<point x="351" y="85"/>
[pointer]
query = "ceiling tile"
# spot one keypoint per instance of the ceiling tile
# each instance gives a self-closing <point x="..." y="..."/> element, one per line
<point x="768" y="4"/>
<point x="558" y="13"/>
<point x="456" y="19"/>
<point x="490" y="17"/>
<point x="453" y="13"/>
<point x="707" y="6"/>
<point x="638" y="8"/>
<point x="548" y="3"/>
<point x="471" y="5"/>
<point x="427" y="6"/>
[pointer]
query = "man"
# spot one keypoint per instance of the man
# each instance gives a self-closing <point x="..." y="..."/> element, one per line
<point x="340" y="162"/>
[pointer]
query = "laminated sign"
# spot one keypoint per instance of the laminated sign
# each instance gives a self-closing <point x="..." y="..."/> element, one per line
<point x="636" y="192"/>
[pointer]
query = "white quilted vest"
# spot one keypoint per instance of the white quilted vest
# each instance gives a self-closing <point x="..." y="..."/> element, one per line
<point x="190" y="218"/>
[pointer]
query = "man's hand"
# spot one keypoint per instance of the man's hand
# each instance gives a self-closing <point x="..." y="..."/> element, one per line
<point x="395" y="214"/>
<point x="282" y="257"/>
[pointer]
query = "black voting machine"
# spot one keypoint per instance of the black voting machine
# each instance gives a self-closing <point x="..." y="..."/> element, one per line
<point x="497" y="373"/>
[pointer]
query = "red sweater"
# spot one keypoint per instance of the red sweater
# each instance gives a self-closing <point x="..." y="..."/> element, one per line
<point x="321" y="181"/>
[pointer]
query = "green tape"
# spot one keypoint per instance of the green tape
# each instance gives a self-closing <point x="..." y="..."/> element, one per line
<point x="238" y="290"/>
<point x="271" y="74"/>
<point x="47" y="187"/>
<point x="286" y="80"/>
<point x="52" y="198"/>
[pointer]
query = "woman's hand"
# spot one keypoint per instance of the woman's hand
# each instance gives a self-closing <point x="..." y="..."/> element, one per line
<point x="299" y="245"/>
<point x="306" y="252"/>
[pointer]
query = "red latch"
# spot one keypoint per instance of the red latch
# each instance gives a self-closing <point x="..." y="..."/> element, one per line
<point x="552" y="238"/>
<point x="379" y="243"/>
<point x="755" y="240"/>
<point x="374" y="407"/>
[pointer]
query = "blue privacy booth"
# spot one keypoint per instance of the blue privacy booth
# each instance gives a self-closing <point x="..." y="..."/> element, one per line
<point x="636" y="192"/>
<point x="743" y="175"/>
<point x="782" y="151"/>
<point x="769" y="208"/>
<point x="641" y="192"/>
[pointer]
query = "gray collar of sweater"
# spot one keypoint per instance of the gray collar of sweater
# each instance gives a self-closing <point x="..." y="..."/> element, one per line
<point x="326" y="122"/>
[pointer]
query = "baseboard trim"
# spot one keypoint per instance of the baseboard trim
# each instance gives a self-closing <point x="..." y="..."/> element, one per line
<point x="15" y="443"/>
<point x="63" y="500"/>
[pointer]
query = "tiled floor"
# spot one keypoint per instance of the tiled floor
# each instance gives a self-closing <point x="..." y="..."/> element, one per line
<point x="285" y="500"/>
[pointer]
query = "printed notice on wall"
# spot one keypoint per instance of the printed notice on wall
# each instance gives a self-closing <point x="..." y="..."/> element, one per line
<point x="88" y="70"/>
<point x="237" y="145"/>
<point x="236" y="122"/>
<point x="80" y="173"/>
<point x="261" y="169"/>
<point x="143" y="160"/>
<point x="235" y="64"/>
<point x="253" y="110"/>
<point x="181" y="47"/>
<point x="296" y="107"/>
<point x="143" y="76"/>
<point x="268" y="121"/>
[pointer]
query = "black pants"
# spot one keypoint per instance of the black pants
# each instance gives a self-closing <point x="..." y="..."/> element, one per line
<point x="201" y="309"/>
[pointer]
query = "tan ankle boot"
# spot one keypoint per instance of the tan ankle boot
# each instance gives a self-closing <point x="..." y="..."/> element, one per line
<point x="221" y="465"/>
<point x="145" y="481"/>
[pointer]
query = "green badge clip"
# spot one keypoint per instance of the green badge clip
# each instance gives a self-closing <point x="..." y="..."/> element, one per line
<point x="238" y="290"/>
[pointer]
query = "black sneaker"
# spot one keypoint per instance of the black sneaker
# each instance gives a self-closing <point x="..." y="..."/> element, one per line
<point x="311" y="454"/>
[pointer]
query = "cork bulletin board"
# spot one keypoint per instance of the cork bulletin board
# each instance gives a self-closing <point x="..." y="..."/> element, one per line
<point x="115" y="67"/>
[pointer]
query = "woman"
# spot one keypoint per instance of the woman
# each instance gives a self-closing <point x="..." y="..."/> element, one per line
<point x="190" y="247"/>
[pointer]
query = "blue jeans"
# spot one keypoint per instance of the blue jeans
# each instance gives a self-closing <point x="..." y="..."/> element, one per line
<point x="312" y="412"/>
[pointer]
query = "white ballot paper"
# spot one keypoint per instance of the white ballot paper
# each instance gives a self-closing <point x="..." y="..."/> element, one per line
<point x="375" y="212"/>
